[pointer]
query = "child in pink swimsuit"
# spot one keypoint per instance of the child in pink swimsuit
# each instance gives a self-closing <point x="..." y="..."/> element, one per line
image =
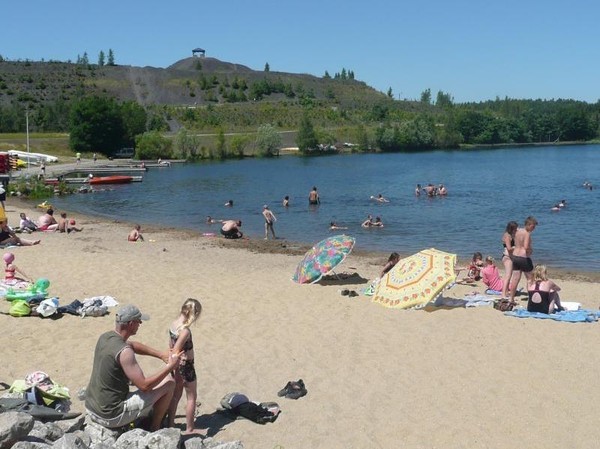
<point x="490" y="275"/>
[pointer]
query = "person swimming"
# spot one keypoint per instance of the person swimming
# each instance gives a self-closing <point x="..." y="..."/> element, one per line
<point x="380" y="198"/>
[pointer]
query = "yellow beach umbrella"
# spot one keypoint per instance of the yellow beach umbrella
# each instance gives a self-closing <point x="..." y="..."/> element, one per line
<point x="416" y="280"/>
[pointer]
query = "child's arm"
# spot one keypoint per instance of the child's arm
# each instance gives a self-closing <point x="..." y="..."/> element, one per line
<point x="22" y="273"/>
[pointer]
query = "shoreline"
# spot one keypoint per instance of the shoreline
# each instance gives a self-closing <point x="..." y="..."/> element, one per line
<point x="364" y="366"/>
<point x="290" y="247"/>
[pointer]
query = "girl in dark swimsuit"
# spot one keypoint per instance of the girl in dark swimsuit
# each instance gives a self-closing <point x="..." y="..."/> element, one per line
<point x="543" y="293"/>
<point x="508" y="244"/>
<point x="180" y="339"/>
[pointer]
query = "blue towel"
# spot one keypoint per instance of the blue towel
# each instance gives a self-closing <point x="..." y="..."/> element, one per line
<point x="571" y="316"/>
<point x="489" y="291"/>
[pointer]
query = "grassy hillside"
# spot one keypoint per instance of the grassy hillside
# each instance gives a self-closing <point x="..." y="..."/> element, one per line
<point x="189" y="82"/>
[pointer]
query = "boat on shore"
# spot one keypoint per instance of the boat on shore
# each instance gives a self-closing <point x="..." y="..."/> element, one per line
<point x="115" y="179"/>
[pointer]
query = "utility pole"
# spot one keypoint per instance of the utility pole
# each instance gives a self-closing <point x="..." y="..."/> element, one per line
<point x="27" y="131"/>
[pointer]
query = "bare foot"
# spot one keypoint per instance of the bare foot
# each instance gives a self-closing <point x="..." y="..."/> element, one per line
<point x="201" y="432"/>
<point x="37" y="242"/>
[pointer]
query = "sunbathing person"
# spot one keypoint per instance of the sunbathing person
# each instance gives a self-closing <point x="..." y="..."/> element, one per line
<point x="26" y="224"/>
<point x="66" y="225"/>
<point x="8" y="237"/>
<point x="490" y="276"/>
<point x="543" y="293"/>
<point x="391" y="263"/>
<point x="47" y="222"/>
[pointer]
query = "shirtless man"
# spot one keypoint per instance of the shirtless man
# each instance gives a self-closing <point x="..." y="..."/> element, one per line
<point x="270" y="219"/>
<point x="231" y="229"/>
<point x="47" y="222"/>
<point x="521" y="256"/>
<point x="313" y="197"/>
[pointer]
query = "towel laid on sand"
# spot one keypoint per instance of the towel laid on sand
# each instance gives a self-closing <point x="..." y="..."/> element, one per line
<point x="571" y="316"/>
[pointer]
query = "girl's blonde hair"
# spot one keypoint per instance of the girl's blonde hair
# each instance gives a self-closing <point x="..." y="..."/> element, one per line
<point x="489" y="259"/>
<point x="191" y="310"/>
<point x="540" y="273"/>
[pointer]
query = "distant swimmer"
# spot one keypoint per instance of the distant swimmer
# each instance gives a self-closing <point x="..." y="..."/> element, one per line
<point x="555" y="208"/>
<point x="418" y="189"/>
<point x="442" y="190"/>
<point x="368" y="222"/>
<point x="286" y="201"/>
<point x="229" y="203"/>
<point x="377" y="223"/>
<point x="562" y="203"/>
<point x="430" y="190"/>
<point x="313" y="197"/>
<point x="211" y="220"/>
<point x="588" y="185"/>
<point x="334" y="226"/>
<point x="380" y="198"/>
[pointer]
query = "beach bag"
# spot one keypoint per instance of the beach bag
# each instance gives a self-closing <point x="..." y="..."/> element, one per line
<point x="19" y="308"/>
<point x="504" y="305"/>
<point x="47" y="307"/>
<point x="233" y="400"/>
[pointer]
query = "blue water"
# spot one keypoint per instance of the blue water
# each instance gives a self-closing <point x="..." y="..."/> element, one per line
<point x="487" y="188"/>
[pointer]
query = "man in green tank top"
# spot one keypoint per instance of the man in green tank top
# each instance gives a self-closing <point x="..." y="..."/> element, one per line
<point x="108" y="400"/>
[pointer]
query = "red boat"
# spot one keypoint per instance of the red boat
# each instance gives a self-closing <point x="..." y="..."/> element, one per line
<point x="116" y="179"/>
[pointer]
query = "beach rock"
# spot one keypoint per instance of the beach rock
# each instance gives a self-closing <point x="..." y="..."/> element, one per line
<point x="168" y="438"/>
<point x="134" y="439"/>
<point x="14" y="426"/>
<point x="99" y="435"/>
<point x="70" y="441"/>
<point x="71" y="425"/>
<point x="48" y="432"/>
<point x="210" y="443"/>
<point x="31" y="445"/>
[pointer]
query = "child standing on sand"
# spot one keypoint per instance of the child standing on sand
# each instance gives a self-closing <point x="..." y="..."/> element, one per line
<point x="180" y="339"/>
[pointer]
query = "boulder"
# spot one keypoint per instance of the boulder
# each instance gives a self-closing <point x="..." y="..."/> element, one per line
<point x="48" y="432"/>
<point x="14" y="426"/>
<point x="134" y="439"/>
<point x="70" y="441"/>
<point x="168" y="438"/>
<point x="210" y="443"/>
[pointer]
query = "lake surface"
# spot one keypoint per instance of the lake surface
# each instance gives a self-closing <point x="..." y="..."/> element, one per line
<point x="487" y="188"/>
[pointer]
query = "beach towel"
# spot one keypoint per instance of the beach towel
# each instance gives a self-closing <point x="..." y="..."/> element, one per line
<point x="570" y="316"/>
<point x="471" y="300"/>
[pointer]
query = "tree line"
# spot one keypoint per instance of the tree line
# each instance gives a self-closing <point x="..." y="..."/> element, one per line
<point x="104" y="125"/>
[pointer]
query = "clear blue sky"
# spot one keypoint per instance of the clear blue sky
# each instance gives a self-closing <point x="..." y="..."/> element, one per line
<point x="474" y="50"/>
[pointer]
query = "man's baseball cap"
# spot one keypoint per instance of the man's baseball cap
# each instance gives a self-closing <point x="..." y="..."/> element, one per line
<point x="130" y="313"/>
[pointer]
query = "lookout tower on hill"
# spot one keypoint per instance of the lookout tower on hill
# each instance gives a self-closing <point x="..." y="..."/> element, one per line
<point x="198" y="52"/>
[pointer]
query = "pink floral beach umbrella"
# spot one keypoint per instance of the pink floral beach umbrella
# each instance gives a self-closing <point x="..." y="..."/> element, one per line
<point x="323" y="258"/>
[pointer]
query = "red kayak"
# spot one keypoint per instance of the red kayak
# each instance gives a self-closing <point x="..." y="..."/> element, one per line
<point x="117" y="179"/>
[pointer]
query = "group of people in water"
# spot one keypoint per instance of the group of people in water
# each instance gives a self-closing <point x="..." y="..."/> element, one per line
<point x="431" y="190"/>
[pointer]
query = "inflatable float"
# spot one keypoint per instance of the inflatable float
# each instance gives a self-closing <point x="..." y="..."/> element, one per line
<point x="37" y="292"/>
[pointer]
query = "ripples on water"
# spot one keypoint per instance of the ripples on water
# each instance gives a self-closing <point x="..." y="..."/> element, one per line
<point x="487" y="188"/>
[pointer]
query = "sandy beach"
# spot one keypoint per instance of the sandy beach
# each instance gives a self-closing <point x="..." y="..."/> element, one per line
<point x="376" y="378"/>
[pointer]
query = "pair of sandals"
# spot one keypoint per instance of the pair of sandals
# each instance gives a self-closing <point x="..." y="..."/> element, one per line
<point x="349" y="293"/>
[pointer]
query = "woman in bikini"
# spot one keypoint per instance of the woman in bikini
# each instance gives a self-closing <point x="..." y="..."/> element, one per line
<point x="180" y="339"/>
<point x="543" y="293"/>
<point x="508" y="245"/>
